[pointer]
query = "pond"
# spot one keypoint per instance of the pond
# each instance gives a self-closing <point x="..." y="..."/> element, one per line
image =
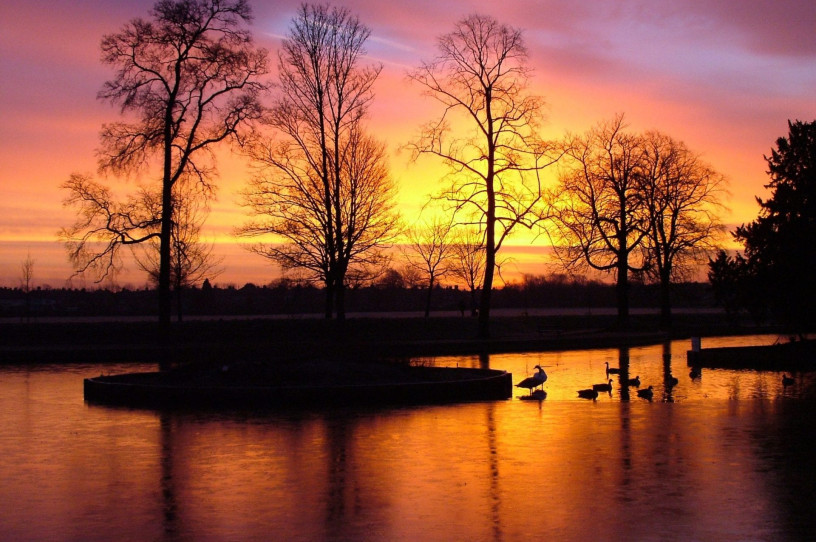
<point x="726" y="455"/>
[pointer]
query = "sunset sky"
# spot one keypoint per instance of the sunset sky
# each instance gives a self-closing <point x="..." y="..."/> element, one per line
<point x="724" y="77"/>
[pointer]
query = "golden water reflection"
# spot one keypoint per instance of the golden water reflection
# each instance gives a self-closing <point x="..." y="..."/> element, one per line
<point x="725" y="456"/>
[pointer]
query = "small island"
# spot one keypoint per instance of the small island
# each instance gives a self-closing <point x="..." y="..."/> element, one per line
<point x="303" y="383"/>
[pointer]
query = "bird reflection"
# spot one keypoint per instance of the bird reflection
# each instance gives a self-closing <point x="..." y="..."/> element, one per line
<point x="646" y="393"/>
<point x="588" y="394"/>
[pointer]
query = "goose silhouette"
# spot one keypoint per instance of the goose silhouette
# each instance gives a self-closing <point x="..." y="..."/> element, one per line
<point x="603" y="387"/>
<point x="611" y="370"/>
<point x="633" y="381"/>
<point x="532" y="382"/>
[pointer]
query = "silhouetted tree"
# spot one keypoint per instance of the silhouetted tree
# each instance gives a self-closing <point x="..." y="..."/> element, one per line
<point x="468" y="261"/>
<point x="390" y="279"/>
<point x="602" y="214"/>
<point x="190" y="77"/>
<point x="682" y="197"/>
<point x="27" y="281"/>
<point x="191" y="260"/>
<point x="778" y="244"/>
<point x="737" y="287"/>
<point x="487" y="134"/>
<point x="429" y="251"/>
<point x="324" y="189"/>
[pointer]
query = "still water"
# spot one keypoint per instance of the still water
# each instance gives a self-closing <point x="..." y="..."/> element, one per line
<point x="724" y="456"/>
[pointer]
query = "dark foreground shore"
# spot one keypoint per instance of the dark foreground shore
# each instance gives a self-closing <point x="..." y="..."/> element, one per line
<point x="217" y="341"/>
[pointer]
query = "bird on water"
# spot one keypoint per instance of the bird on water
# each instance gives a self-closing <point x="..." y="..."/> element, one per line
<point x="633" y="381"/>
<point x="611" y="370"/>
<point x="603" y="387"/>
<point x="532" y="382"/>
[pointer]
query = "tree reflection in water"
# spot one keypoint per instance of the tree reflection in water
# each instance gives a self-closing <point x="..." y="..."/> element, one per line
<point x="729" y="457"/>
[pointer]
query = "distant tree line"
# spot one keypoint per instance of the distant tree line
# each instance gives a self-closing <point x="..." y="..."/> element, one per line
<point x="297" y="298"/>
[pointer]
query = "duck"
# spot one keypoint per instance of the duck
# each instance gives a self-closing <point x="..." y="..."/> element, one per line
<point x="787" y="380"/>
<point x="532" y="382"/>
<point x="611" y="370"/>
<point x="646" y="393"/>
<point x="588" y="394"/>
<point x="603" y="387"/>
<point x="633" y="381"/>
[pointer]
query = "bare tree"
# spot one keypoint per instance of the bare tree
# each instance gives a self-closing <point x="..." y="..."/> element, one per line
<point x="494" y="155"/>
<point x="682" y="195"/>
<point x="191" y="260"/>
<point x="27" y="281"/>
<point x="468" y="261"/>
<point x="429" y="251"/>
<point x="602" y="217"/>
<point x="323" y="188"/>
<point x="190" y="77"/>
<point x="27" y="274"/>
<point x="412" y="276"/>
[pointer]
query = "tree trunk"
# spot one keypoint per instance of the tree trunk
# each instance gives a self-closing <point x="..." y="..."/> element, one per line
<point x="665" y="301"/>
<point x="165" y="295"/>
<point x="329" y="305"/>
<point x="622" y="293"/>
<point x="428" y="297"/>
<point x="487" y="286"/>
<point x="340" y="296"/>
<point x="490" y="228"/>
<point x="178" y="303"/>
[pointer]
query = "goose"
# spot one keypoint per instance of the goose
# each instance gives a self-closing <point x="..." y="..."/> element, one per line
<point x="588" y="394"/>
<point x="646" y="393"/>
<point x="633" y="381"/>
<point x="603" y="387"/>
<point x="787" y="380"/>
<point x="532" y="382"/>
<point x="611" y="370"/>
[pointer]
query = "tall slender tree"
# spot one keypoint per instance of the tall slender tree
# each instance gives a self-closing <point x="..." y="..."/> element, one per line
<point x="190" y="78"/>
<point x="323" y="188"/>
<point x="486" y="135"/>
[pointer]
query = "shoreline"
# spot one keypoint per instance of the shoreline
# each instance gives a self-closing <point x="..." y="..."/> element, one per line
<point x="217" y="340"/>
